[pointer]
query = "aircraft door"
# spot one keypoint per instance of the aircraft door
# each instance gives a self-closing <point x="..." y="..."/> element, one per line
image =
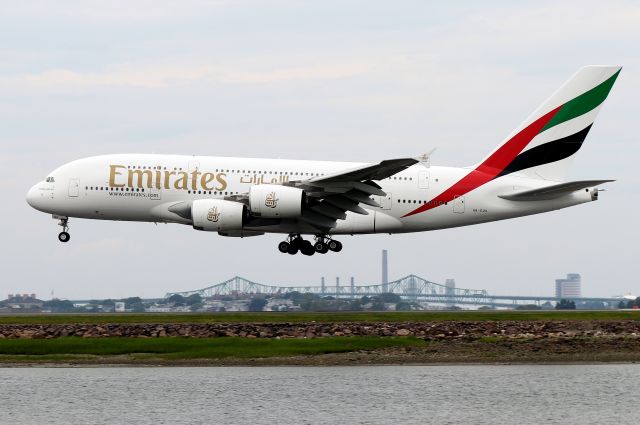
<point x="458" y="205"/>
<point x="423" y="180"/>
<point x="74" y="188"/>
<point x="384" y="201"/>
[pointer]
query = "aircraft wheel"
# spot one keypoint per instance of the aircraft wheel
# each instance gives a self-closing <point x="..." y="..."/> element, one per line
<point x="296" y="242"/>
<point x="64" y="237"/>
<point x="335" y="246"/>
<point x="283" y="247"/>
<point x="293" y="249"/>
<point x="321" y="247"/>
<point x="307" y="248"/>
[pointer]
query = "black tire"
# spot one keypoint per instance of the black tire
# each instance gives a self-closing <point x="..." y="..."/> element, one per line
<point x="64" y="237"/>
<point x="283" y="247"/>
<point x="339" y="247"/>
<point x="318" y="246"/>
<point x="293" y="249"/>
<point x="335" y="246"/>
<point x="307" y="248"/>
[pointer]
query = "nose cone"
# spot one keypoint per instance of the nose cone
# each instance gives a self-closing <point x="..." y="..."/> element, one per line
<point x="36" y="197"/>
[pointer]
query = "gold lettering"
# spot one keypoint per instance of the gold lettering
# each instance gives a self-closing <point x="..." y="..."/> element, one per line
<point x="112" y="175"/>
<point x="206" y="179"/>
<point x="183" y="181"/>
<point x="168" y="174"/>
<point x="139" y="175"/>
<point x="223" y="182"/>
<point x="158" y="178"/>
<point x="194" y="179"/>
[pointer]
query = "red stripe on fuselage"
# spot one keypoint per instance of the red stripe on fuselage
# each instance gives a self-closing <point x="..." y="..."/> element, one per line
<point x="491" y="167"/>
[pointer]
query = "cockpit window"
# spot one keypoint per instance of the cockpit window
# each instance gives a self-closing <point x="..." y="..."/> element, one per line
<point x="50" y="180"/>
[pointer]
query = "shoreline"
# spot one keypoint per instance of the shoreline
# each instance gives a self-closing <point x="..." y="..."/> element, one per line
<point x="301" y="340"/>
<point x="502" y="351"/>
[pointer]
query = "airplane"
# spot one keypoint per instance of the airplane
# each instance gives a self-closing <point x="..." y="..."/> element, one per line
<point x="243" y="197"/>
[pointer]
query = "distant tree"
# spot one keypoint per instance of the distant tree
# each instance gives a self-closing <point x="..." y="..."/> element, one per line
<point x="176" y="299"/>
<point x="403" y="306"/>
<point x="377" y="306"/>
<point x="195" y="306"/>
<point x="529" y="307"/>
<point x="59" y="306"/>
<point x="566" y="305"/>
<point x="136" y="307"/>
<point x="257" y="304"/>
<point x="486" y="307"/>
<point x="355" y="305"/>
<point x="193" y="299"/>
<point x="637" y="302"/>
<point x="132" y="300"/>
<point x="622" y="304"/>
<point x="389" y="297"/>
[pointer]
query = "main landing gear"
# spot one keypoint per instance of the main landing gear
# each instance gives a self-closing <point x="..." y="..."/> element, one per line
<point x="322" y="245"/>
<point x="64" y="236"/>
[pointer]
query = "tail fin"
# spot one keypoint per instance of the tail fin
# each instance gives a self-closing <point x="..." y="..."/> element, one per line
<point x="545" y="143"/>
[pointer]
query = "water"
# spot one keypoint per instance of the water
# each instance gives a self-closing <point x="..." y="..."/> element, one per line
<point x="565" y="394"/>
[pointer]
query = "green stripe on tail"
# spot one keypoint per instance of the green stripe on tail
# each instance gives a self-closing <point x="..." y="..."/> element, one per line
<point x="583" y="103"/>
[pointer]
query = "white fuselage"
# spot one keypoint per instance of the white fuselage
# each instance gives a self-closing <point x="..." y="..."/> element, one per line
<point x="142" y="187"/>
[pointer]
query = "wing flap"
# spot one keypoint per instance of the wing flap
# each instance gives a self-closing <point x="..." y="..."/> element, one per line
<point x="345" y="204"/>
<point x="318" y="220"/>
<point x="330" y="211"/>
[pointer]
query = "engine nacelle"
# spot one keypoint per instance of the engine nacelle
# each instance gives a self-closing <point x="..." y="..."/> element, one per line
<point x="275" y="201"/>
<point x="214" y="215"/>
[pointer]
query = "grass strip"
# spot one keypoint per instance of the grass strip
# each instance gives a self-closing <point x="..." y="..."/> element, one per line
<point x="60" y="349"/>
<point x="329" y="317"/>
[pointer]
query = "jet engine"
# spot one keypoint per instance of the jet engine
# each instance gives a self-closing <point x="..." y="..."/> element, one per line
<point x="275" y="201"/>
<point x="213" y="215"/>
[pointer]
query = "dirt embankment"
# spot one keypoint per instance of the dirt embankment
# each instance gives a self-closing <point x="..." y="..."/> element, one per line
<point x="434" y="331"/>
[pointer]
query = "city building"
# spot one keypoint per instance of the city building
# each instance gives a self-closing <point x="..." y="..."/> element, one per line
<point x="23" y="302"/>
<point x="569" y="287"/>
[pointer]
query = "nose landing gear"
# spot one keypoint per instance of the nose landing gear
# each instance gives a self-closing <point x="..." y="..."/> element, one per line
<point x="295" y="244"/>
<point x="64" y="236"/>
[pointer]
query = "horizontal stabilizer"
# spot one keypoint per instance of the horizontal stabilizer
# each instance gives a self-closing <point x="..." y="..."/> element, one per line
<point x="552" y="192"/>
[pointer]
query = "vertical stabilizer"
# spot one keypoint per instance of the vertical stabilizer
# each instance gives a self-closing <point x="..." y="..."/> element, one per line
<point x="545" y="143"/>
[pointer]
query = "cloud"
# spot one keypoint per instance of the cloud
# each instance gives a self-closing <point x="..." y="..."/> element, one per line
<point x="161" y="76"/>
<point x="111" y="11"/>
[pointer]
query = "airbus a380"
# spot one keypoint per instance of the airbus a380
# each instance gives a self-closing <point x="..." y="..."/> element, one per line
<point x="249" y="197"/>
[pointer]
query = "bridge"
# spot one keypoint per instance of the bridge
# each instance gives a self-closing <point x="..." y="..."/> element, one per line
<point x="410" y="288"/>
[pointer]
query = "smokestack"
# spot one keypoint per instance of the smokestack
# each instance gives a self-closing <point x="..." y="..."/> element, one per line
<point x="385" y="271"/>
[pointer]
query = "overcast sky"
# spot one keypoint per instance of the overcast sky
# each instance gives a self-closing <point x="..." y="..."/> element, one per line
<point x="332" y="80"/>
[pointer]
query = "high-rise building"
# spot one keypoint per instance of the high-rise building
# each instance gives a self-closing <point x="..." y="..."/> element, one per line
<point x="450" y="287"/>
<point x="569" y="287"/>
<point x="385" y="271"/>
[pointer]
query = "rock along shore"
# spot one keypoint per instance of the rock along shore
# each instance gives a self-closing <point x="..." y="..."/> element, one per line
<point x="449" y="330"/>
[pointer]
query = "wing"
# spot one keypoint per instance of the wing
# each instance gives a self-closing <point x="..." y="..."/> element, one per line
<point x="331" y="196"/>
